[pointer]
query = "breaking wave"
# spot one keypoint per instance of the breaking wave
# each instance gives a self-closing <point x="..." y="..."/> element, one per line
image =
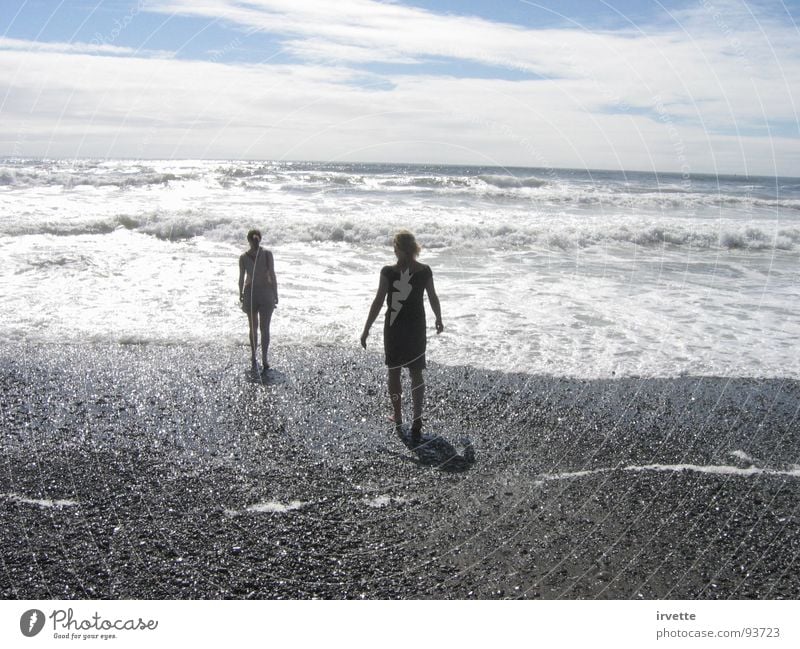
<point x="504" y="181"/>
<point x="69" y="180"/>
<point x="569" y="190"/>
<point x="500" y="236"/>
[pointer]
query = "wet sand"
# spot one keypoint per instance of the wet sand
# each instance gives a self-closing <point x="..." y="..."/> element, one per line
<point x="165" y="472"/>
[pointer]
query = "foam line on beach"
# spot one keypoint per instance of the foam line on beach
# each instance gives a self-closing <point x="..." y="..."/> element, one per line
<point x="41" y="502"/>
<point x="383" y="500"/>
<point x="275" y="507"/>
<point x="743" y="456"/>
<point x="719" y="469"/>
<point x="268" y="507"/>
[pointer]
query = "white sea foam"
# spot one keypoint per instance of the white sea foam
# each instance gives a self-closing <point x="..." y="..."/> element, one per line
<point x="363" y="181"/>
<point x="275" y="507"/>
<point x="460" y="231"/>
<point x="504" y="180"/>
<point x="697" y="468"/>
<point x="41" y="502"/>
<point x="70" y="179"/>
<point x="584" y="274"/>
<point x="743" y="456"/>
<point x="384" y="500"/>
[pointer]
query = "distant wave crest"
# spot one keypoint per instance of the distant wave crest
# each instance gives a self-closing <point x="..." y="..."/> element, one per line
<point x="68" y="179"/>
<point x="511" y="181"/>
<point x="390" y="183"/>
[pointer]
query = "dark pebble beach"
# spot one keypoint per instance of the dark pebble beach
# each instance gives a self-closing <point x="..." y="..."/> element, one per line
<point x="170" y="473"/>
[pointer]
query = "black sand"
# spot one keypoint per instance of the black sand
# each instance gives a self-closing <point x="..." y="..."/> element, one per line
<point x="163" y="449"/>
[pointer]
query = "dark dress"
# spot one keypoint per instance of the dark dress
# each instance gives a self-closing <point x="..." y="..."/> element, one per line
<point x="404" y="335"/>
<point x="264" y="295"/>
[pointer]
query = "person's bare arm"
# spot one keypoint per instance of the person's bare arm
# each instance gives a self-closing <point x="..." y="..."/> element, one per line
<point x="375" y="309"/>
<point x="241" y="279"/>
<point x="272" y="277"/>
<point x="434" y="300"/>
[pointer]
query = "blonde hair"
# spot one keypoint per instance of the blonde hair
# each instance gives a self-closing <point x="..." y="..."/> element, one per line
<point x="406" y="243"/>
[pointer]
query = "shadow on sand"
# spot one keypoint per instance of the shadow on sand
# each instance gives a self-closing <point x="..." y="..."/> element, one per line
<point x="270" y="377"/>
<point x="435" y="450"/>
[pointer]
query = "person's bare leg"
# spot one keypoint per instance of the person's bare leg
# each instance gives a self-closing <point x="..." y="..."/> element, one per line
<point x="252" y="318"/>
<point x="266" y="317"/>
<point x="396" y="394"/>
<point x="418" y="398"/>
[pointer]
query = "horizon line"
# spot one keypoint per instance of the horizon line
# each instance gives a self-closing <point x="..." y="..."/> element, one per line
<point x="419" y="164"/>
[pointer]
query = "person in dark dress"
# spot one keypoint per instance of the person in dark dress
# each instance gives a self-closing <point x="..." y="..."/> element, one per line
<point x="403" y="286"/>
<point x="258" y="294"/>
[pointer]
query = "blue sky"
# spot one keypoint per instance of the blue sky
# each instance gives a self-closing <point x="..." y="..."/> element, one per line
<point x="696" y="86"/>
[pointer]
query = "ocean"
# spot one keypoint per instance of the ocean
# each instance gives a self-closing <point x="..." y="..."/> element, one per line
<point x="578" y="273"/>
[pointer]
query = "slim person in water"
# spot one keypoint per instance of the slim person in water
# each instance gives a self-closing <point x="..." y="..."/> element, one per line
<point x="404" y="335"/>
<point x="258" y="294"/>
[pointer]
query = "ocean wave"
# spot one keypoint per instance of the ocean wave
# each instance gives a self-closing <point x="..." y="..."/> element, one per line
<point x="428" y="182"/>
<point x="506" y="182"/>
<point x="167" y="226"/>
<point x="605" y="193"/>
<point x="632" y="189"/>
<point x="248" y="171"/>
<point x="657" y="200"/>
<point x="509" y="237"/>
<point x="313" y="183"/>
<point x="187" y="224"/>
<point x="481" y="184"/>
<point x="505" y="188"/>
<point x="68" y="179"/>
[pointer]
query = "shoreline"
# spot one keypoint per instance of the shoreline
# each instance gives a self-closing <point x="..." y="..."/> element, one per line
<point x="163" y="472"/>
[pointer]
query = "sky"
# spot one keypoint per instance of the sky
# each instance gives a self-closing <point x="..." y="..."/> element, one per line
<point x="707" y="86"/>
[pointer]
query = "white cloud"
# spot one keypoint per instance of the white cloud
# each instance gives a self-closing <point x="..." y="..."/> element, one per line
<point x="324" y="51"/>
<point x="718" y="63"/>
<point x="391" y="30"/>
<point x="76" y="48"/>
<point x="639" y="98"/>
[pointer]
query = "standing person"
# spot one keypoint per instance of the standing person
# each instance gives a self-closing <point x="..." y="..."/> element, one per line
<point x="258" y="293"/>
<point x="404" y="335"/>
